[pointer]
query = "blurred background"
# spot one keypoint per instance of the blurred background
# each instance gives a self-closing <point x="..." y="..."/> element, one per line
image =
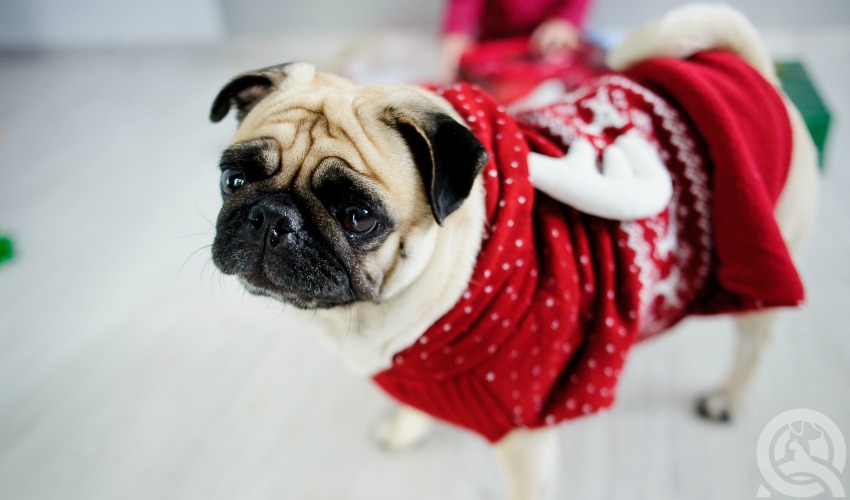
<point x="130" y="368"/>
<point x="93" y="23"/>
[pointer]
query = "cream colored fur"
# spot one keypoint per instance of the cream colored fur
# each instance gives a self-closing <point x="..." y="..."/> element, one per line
<point x="316" y="116"/>
<point x="368" y="334"/>
<point x="691" y="29"/>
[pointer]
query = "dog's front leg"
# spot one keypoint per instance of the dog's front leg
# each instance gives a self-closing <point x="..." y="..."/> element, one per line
<point x="529" y="461"/>
<point x="402" y="430"/>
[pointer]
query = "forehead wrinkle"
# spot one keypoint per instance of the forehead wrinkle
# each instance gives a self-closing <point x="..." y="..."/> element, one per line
<point x="279" y="103"/>
<point x="289" y="125"/>
<point x="300" y="148"/>
<point x="344" y="122"/>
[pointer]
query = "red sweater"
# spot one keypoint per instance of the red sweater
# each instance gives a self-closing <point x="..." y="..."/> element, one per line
<point x="557" y="297"/>
<point x="492" y="19"/>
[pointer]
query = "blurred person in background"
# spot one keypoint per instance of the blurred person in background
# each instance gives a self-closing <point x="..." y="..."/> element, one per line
<point x="552" y="26"/>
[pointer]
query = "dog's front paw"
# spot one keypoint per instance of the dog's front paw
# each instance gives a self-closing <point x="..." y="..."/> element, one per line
<point x="716" y="407"/>
<point x="402" y="430"/>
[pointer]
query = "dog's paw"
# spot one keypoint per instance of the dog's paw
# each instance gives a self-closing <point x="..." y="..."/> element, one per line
<point x="402" y="430"/>
<point x="715" y="407"/>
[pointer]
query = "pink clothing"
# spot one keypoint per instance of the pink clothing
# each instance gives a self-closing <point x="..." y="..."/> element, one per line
<point x="491" y="19"/>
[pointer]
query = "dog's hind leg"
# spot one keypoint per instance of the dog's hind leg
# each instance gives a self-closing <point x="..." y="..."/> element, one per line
<point x="795" y="212"/>
<point x="402" y="430"/>
<point x="529" y="461"/>
<point x="753" y="334"/>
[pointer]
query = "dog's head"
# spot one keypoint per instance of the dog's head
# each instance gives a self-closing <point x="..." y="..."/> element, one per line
<point x="332" y="192"/>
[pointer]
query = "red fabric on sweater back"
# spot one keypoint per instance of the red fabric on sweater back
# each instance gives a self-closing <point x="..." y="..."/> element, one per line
<point x="743" y="120"/>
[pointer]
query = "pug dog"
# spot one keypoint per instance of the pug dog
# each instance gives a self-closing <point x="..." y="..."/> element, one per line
<point x="486" y="289"/>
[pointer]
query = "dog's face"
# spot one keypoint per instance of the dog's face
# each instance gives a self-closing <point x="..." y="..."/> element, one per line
<point x="333" y="193"/>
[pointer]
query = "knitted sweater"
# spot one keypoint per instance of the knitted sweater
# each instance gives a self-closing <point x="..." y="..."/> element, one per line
<point x="558" y="297"/>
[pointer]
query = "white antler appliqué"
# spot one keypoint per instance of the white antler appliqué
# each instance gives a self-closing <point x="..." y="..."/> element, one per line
<point x="633" y="184"/>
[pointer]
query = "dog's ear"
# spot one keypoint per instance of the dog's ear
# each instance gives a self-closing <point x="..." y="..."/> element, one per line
<point x="449" y="157"/>
<point x="246" y="90"/>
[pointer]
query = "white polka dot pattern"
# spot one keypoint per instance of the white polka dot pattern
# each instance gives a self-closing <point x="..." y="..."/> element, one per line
<point x="533" y="329"/>
<point x="558" y="297"/>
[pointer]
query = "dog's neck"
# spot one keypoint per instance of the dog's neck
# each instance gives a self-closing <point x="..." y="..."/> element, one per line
<point x="368" y="334"/>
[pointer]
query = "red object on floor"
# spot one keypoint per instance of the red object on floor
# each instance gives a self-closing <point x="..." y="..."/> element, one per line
<point x="508" y="71"/>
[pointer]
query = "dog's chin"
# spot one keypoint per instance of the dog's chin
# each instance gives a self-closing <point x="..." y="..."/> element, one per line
<point x="260" y="285"/>
<point x="303" y="283"/>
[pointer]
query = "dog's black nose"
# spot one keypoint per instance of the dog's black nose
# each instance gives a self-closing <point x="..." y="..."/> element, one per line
<point x="272" y="218"/>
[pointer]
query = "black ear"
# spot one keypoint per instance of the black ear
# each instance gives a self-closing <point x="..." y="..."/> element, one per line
<point x="246" y="90"/>
<point x="449" y="158"/>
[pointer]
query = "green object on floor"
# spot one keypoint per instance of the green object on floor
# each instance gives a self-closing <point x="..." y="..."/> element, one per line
<point x="799" y="87"/>
<point x="5" y="249"/>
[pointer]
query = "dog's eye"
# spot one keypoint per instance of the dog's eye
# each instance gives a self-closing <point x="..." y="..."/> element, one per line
<point x="357" y="220"/>
<point x="231" y="180"/>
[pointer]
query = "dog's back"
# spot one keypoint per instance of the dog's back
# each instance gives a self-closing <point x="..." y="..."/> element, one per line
<point x="691" y="29"/>
<point x="699" y="27"/>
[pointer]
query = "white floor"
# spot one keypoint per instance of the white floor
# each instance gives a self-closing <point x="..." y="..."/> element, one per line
<point x="130" y="369"/>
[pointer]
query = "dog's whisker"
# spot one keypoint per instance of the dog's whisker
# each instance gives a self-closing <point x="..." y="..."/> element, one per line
<point x="197" y="209"/>
<point x="180" y="270"/>
<point x="206" y="268"/>
<point x="347" y="331"/>
<point x="357" y="314"/>
<point x="221" y="284"/>
<point x="277" y="304"/>
<point x="209" y="232"/>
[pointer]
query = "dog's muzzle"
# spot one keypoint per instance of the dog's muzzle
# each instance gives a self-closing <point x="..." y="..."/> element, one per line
<point x="273" y="249"/>
<point x="273" y="220"/>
